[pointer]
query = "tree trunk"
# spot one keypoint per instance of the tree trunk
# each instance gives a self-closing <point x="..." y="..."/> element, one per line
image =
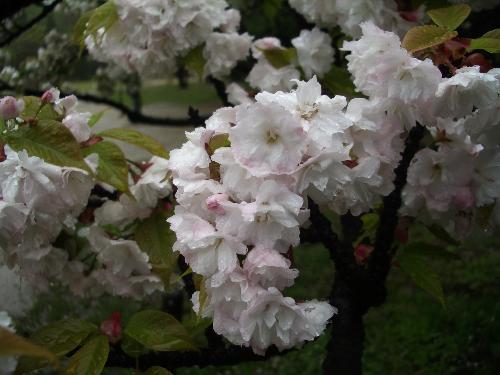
<point x="345" y="348"/>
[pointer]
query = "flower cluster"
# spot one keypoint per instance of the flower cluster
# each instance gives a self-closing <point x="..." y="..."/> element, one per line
<point x="149" y="36"/>
<point x="50" y="231"/>
<point x="459" y="171"/>
<point x="349" y="14"/>
<point x="242" y="181"/>
<point x="314" y="56"/>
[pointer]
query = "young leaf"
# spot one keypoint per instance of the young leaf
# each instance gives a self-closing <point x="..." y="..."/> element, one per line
<point x="450" y="17"/>
<point x="96" y="117"/>
<point x="218" y="141"/>
<point x="33" y="107"/>
<point x="495" y="33"/>
<point x="155" y="370"/>
<point x="90" y="359"/>
<point x="51" y="141"/>
<point x="136" y="138"/>
<point x="112" y="168"/>
<point x="159" y="331"/>
<point x="12" y="345"/>
<point x="155" y="238"/>
<point x="422" y="37"/>
<point x="280" y="57"/>
<point x="491" y="45"/>
<point x="422" y="274"/>
<point x="60" y="338"/>
<point x="91" y="22"/>
<point x="194" y="61"/>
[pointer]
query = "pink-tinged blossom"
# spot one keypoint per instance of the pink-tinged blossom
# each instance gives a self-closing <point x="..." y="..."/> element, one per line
<point x="11" y="107"/>
<point x="314" y="52"/>
<point x="267" y="267"/>
<point x="267" y="139"/>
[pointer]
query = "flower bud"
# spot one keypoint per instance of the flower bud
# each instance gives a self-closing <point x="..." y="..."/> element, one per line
<point x="112" y="327"/>
<point x="51" y="95"/>
<point x="362" y="252"/>
<point x="10" y="107"/>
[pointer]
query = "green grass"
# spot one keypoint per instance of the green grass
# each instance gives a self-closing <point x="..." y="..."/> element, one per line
<point x="162" y="92"/>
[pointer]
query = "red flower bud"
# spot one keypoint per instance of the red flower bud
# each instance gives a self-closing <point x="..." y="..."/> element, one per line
<point x="362" y="252"/>
<point x="112" y="327"/>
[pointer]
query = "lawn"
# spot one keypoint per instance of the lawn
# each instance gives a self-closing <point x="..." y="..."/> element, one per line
<point x="161" y="91"/>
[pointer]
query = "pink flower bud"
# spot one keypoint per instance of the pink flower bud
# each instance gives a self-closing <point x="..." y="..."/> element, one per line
<point x="112" y="327"/>
<point x="51" y="95"/>
<point x="362" y="252"/>
<point x="214" y="203"/>
<point x="10" y="107"/>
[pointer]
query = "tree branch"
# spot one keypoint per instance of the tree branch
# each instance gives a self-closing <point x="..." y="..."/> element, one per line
<point x="220" y="89"/>
<point x="356" y="288"/>
<point x="134" y="116"/>
<point x="46" y="10"/>
<point x="379" y="262"/>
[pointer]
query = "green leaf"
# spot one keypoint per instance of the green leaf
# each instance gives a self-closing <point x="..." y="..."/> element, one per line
<point x="442" y="235"/>
<point x="280" y="57"/>
<point x="194" y="61"/>
<point x="96" y="117"/>
<point x="63" y="336"/>
<point x="196" y="327"/>
<point x="90" y="22"/>
<point x="422" y="274"/>
<point x="338" y="82"/>
<point x="51" y="141"/>
<point x="33" y="107"/>
<point x="90" y="359"/>
<point x="14" y="345"/>
<point x="218" y="141"/>
<point x="159" y="331"/>
<point x="422" y="37"/>
<point x="495" y="33"/>
<point x="131" y="347"/>
<point x="155" y="238"/>
<point x="112" y="168"/>
<point x="60" y="338"/>
<point x="491" y="45"/>
<point x="155" y="370"/>
<point x="429" y="251"/>
<point x="136" y="138"/>
<point x="450" y="17"/>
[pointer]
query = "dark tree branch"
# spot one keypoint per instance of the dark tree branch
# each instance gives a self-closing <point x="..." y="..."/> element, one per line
<point x="356" y="287"/>
<point x="379" y="262"/>
<point x="220" y="89"/>
<point x="134" y="116"/>
<point x="212" y="356"/>
<point x="10" y="8"/>
<point x="46" y="10"/>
